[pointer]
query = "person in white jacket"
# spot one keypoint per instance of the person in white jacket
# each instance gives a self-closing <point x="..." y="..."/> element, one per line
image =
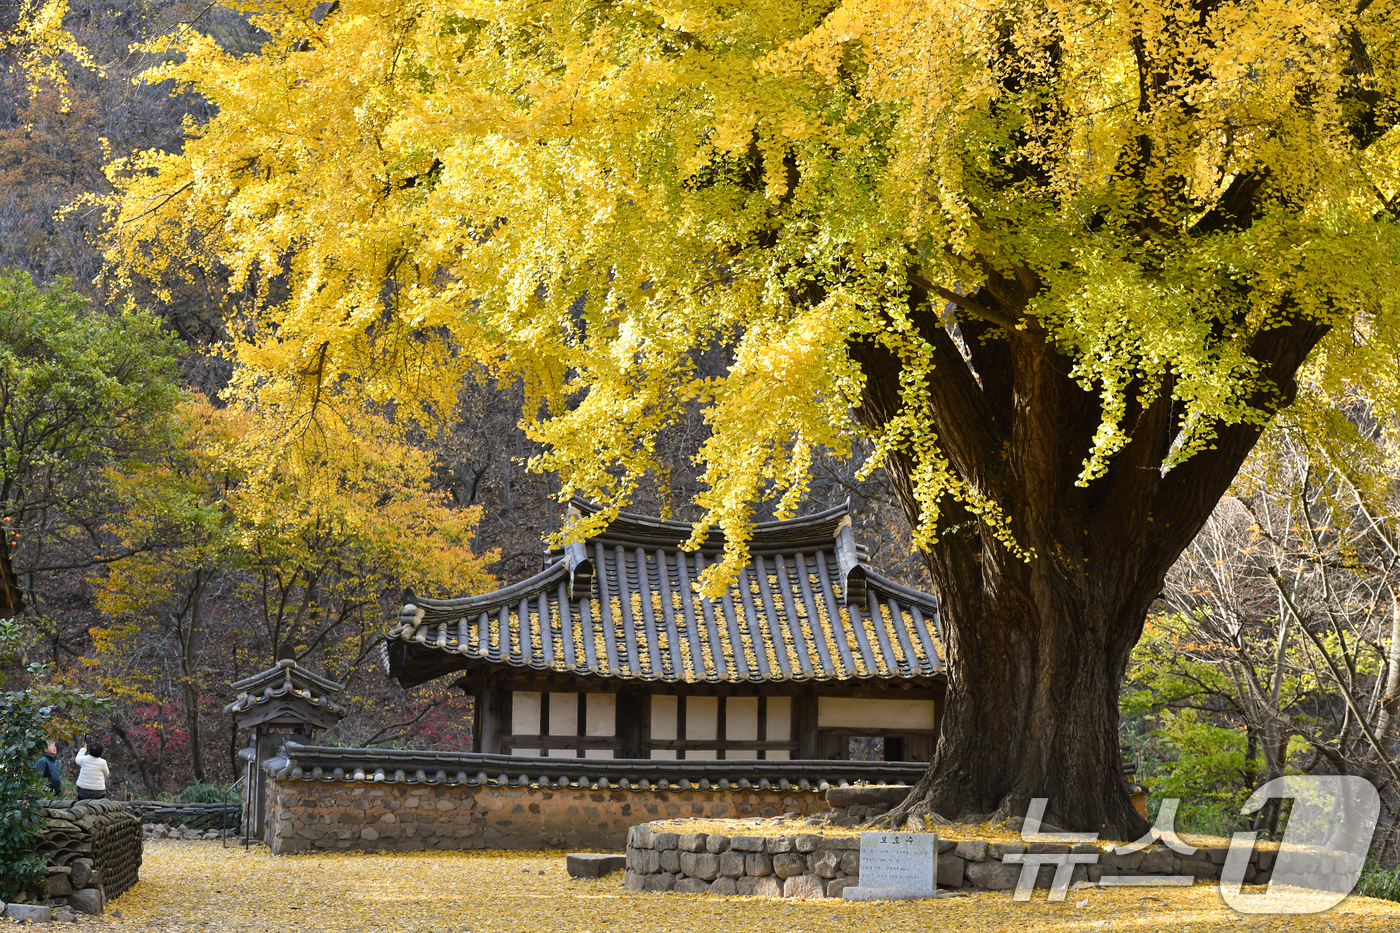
<point x="92" y="771"/>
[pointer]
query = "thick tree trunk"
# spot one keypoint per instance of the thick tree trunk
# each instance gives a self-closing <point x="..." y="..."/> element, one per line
<point x="1036" y="653"/>
<point x="1035" y="665"/>
<point x="1037" y="647"/>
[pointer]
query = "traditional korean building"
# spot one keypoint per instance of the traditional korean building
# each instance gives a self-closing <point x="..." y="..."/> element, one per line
<point x="285" y="703"/>
<point x="609" y="652"/>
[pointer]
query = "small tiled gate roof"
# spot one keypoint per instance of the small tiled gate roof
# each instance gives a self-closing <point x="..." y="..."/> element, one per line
<point x="285" y="680"/>
<point x="620" y="605"/>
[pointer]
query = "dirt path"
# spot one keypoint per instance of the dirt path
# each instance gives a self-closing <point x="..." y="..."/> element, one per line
<point x="203" y="888"/>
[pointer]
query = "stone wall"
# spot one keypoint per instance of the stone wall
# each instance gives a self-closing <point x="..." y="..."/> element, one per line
<point x="316" y="815"/>
<point x="816" y="865"/>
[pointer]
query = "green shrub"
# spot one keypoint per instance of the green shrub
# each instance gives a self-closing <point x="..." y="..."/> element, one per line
<point x="1379" y="882"/>
<point x="199" y="792"/>
<point x="25" y="719"/>
<point x="22" y="738"/>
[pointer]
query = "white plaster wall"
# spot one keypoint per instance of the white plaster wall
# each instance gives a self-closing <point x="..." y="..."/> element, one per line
<point x="663" y="717"/>
<point x="525" y="713"/>
<point x="851" y="713"/>
<point x="779" y="720"/>
<point x="602" y="713"/>
<point x="563" y="714"/>
<point x="740" y="721"/>
<point x="701" y="719"/>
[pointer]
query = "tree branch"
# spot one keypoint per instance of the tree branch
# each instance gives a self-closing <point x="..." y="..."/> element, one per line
<point x="965" y="302"/>
<point x="1341" y="683"/>
<point x="404" y="725"/>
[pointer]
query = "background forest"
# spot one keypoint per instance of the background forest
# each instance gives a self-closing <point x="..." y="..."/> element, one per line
<point x="156" y="569"/>
<point x="161" y="558"/>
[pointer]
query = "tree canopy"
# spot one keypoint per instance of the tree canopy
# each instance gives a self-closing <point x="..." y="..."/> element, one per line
<point x="1061" y="260"/>
<point x="80" y="393"/>
<point x="589" y="194"/>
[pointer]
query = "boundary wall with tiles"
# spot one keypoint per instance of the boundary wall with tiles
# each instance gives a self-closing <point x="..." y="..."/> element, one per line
<point x="306" y="816"/>
<point x="321" y="798"/>
<point x="809" y="865"/>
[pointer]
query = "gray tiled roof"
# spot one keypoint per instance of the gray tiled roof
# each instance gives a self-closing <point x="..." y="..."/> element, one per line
<point x="286" y="678"/>
<point x="621" y="605"/>
<point x="403" y="766"/>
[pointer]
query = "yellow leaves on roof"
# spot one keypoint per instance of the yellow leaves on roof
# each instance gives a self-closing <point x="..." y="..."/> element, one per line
<point x="618" y="633"/>
<point x="576" y="633"/>
<point x="198" y="887"/>
<point x="766" y="621"/>
<point x="634" y="603"/>
<point x="536" y="635"/>
<point x="872" y="638"/>
<point x="906" y="619"/>
<point x="663" y="638"/>
<point x="896" y="645"/>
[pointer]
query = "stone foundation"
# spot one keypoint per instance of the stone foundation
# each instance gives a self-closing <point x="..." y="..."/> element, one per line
<point x="777" y="866"/>
<point x="315" y="815"/>
<point x="811" y="865"/>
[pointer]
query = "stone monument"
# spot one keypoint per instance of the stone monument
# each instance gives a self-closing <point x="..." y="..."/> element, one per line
<point x="896" y="866"/>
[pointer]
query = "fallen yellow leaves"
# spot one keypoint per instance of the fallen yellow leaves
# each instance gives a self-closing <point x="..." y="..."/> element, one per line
<point x="202" y="887"/>
<point x="958" y="832"/>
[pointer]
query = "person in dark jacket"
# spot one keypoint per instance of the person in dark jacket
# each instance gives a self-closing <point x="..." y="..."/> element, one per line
<point x="49" y="768"/>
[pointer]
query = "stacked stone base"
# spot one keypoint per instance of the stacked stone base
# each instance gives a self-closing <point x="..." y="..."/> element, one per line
<point x="810" y="865"/>
<point x="774" y="866"/>
<point x="92" y="850"/>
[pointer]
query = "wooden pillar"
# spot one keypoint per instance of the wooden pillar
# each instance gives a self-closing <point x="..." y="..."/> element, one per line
<point x="494" y="703"/>
<point x="680" y="722"/>
<point x="804" y="722"/>
<point x="721" y="725"/>
<point x="631" y="711"/>
<point x="763" y="724"/>
<point x="478" y="719"/>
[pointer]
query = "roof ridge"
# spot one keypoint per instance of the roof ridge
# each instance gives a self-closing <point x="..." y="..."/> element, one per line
<point x="927" y="600"/>
<point x="783" y="534"/>
<point x="433" y="609"/>
<point x="284" y="670"/>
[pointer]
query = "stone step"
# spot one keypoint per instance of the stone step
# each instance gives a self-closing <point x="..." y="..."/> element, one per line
<point x="594" y="864"/>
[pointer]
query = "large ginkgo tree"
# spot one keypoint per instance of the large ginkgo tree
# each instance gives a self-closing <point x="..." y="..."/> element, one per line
<point x="1060" y="262"/>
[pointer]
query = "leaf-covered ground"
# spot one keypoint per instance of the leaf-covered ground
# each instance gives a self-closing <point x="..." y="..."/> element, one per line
<point x="201" y="887"/>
